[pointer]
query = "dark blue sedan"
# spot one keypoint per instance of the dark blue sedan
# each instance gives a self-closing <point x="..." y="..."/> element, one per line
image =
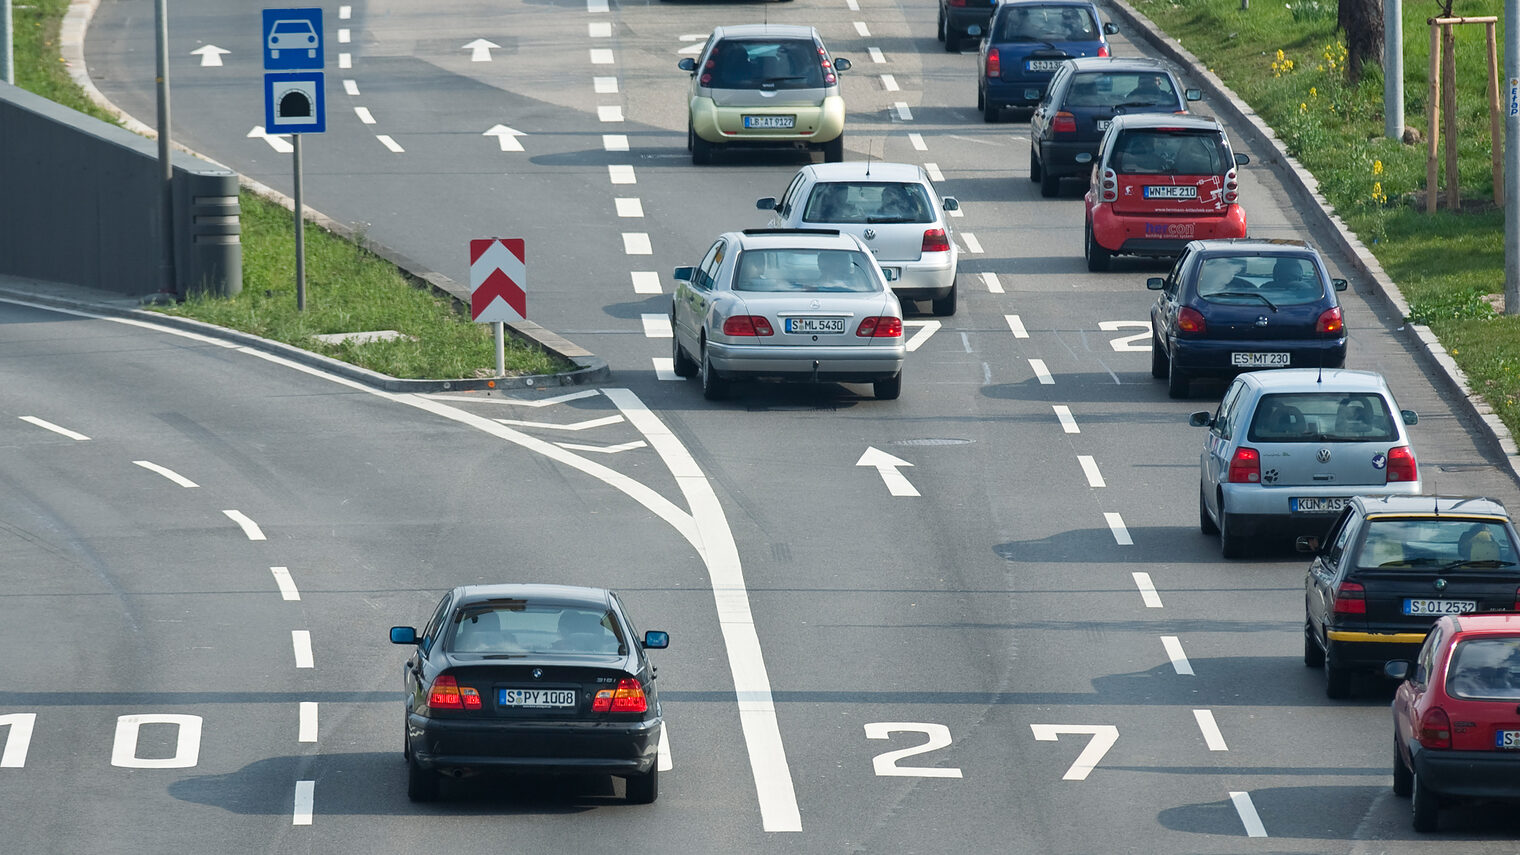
<point x="1027" y="41"/>
<point x="1243" y="304"/>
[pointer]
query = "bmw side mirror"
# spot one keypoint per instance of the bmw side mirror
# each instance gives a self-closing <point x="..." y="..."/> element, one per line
<point x="766" y="204"/>
<point x="841" y="64"/>
<point x="656" y="639"/>
<point x="1307" y="543"/>
<point x="1398" y="669"/>
<point x="1410" y="417"/>
<point x="403" y="635"/>
<point x="687" y="64"/>
<point x="1201" y="419"/>
<point x="950" y="203"/>
<point x="1111" y="28"/>
<point x="1242" y="159"/>
<point x="1340" y="284"/>
<point x="683" y="273"/>
<point x="1193" y="94"/>
<point x="1155" y="283"/>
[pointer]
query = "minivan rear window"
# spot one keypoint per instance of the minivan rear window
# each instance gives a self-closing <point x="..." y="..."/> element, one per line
<point x="1486" y="669"/>
<point x="868" y="202"/>
<point x="1171" y="151"/>
<point x="1031" y="23"/>
<point x="1323" y="417"/>
<point x="764" y="64"/>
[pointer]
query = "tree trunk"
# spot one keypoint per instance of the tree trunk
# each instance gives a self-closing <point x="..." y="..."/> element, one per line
<point x="1362" y="22"/>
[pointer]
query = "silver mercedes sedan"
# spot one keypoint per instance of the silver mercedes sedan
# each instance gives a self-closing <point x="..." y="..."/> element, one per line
<point x="808" y="305"/>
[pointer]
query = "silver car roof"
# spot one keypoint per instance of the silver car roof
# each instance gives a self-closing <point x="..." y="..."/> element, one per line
<point x="790" y="239"/>
<point x="1316" y="380"/>
<point x="784" y="31"/>
<point x="859" y="170"/>
<point x="1165" y="120"/>
<point x="1455" y="505"/>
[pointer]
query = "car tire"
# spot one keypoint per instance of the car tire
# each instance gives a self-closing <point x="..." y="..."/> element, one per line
<point x="888" y="389"/>
<point x="990" y="110"/>
<point x="981" y="100"/>
<point x="1098" y="258"/>
<point x="1314" y="655"/>
<point x="1034" y="164"/>
<point x="682" y="364"/>
<point x="701" y="150"/>
<point x="952" y="39"/>
<point x="833" y="150"/>
<point x="1403" y="776"/>
<point x="1160" y="362"/>
<point x="691" y="134"/>
<point x="1050" y="184"/>
<point x="1205" y="522"/>
<point x="644" y="789"/>
<point x="1178" y="384"/>
<point x="1337" y="679"/>
<point x="1231" y="545"/>
<point x="940" y="32"/>
<point x="1424" y="809"/>
<point x="714" y="388"/>
<point x="945" y="306"/>
<point x="421" y="784"/>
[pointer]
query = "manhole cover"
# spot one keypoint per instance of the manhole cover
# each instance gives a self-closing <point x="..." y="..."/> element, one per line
<point x="933" y="441"/>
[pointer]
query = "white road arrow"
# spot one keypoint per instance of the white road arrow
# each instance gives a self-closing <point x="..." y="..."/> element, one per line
<point x="278" y="143"/>
<point x="886" y="465"/>
<point x="926" y="329"/>
<point x="506" y="136"/>
<point x="480" y="50"/>
<point x="211" y="55"/>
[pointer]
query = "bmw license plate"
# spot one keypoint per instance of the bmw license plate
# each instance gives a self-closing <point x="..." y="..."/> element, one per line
<point x="1439" y="607"/>
<point x="770" y="121"/>
<point x="826" y="326"/>
<point x="1259" y="360"/>
<point x="1507" y="739"/>
<point x="1043" y="64"/>
<point x="1318" y="504"/>
<point x="536" y="698"/>
<point x="1171" y="191"/>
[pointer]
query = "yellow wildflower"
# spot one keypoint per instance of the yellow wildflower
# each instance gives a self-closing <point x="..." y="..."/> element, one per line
<point x="1377" y="167"/>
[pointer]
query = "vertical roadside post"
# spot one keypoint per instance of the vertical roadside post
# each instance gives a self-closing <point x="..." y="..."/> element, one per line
<point x="1433" y="118"/>
<point x="7" y="43"/>
<point x="295" y="101"/>
<point x="1393" y="69"/>
<point x="1449" y="109"/>
<point x="1495" y="154"/>
<point x="295" y="157"/>
<point x="166" y="168"/>
<point x="498" y="288"/>
<point x="1512" y="158"/>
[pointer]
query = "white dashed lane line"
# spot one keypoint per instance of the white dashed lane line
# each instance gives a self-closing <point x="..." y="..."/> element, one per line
<point x="345" y="60"/>
<point x="903" y="113"/>
<point x="889" y="83"/>
<point x="992" y="283"/>
<point x="628" y="207"/>
<point x="621" y="173"/>
<point x="604" y="85"/>
<point x="599" y="30"/>
<point x="656" y="326"/>
<point x="286" y="584"/>
<point x="645" y="282"/>
<point x="1090" y="469"/>
<point x="385" y="140"/>
<point x="637" y="243"/>
<point x="345" y="12"/>
<point x="1121" y="534"/>
<point x="862" y="29"/>
<point x="615" y="142"/>
<point x="343" y="35"/>
<point x="364" y="115"/>
<point x="306" y="727"/>
<point x="917" y="140"/>
<point x="1015" y="323"/>
<point x="300" y="642"/>
<point x="1248" y="816"/>
<point x="351" y="86"/>
<point x="1180" y="663"/>
<point x="1041" y="372"/>
<point x="1063" y="413"/>
<point x="935" y="174"/>
<point x="969" y="239"/>
<point x="596" y="6"/>
<point x="876" y="54"/>
<point x="665" y="369"/>
<point x="167" y="473"/>
<point x="610" y="112"/>
<point x="1211" y="735"/>
<point x="305" y="794"/>
<point x="1147" y="590"/>
<point x="47" y="425"/>
<point x="248" y="526"/>
<point x="601" y="56"/>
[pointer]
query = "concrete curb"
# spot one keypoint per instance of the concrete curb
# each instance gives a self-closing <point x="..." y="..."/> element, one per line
<point x="1304" y="189"/>
<point x="590" y="368"/>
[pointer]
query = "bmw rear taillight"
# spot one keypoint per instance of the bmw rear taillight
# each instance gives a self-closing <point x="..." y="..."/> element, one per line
<point x="1245" y="466"/>
<point x="885" y="326"/>
<point x="1063" y="123"/>
<point x="1108" y="186"/>
<point x="1231" y="187"/>
<point x="446" y="694"/>
<point x="935" y="240"/>
<point x="994" y="64"/>
<point x="1350" y="599"/>
<point x="1330" y="321"/>
<point x="747" y="325"/>
<point x="627" y="697"/>
<point x="1401" y="465"/>
<point x="1191" y="321"/>
<point x="1435" y="729"/>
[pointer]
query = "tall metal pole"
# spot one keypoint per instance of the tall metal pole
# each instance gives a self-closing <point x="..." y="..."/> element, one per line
<point x="7" y="43"/>
<point x="300" y="229"/>
<point x="1393" y="69"/>
<point x="1512" y="158"/>
<point x="167" y="281"/>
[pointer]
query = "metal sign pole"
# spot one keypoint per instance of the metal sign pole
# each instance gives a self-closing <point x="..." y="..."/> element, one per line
<point x="300" y="230"/>
<point x="166" y="211"/>
<point x="1393" y="69"/>
<point x="501" y="348"/>
<point x="1511" y="157"/>
<point x="7" y="43"/>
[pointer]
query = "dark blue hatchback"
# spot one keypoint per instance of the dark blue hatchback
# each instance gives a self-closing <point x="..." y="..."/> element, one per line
<point x="1242" y="304"/>
<point x="1027" y="41"/>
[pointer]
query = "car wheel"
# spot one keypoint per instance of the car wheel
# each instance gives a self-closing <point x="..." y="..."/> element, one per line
<point x="1034" y="164"/>
<point x="1205" y="522"/>
<point x="952" y="39"/>
<point x="889" y="389"/>
<point x="1097" y="257"/>
<point x="833" y="150"/>
<point x="1050" y="184"/>
<point x="1231" y="545"/>
<point x="644" y="789"/>
<point x="421" y="784"/>
<point x="946" y="305"/>
<point x="713" y="386"/>
<point x="1314" y="655"/>
<point x="701" y="150"/>
<point x="1423" y="807"/>
<point x="990" y="110"/>
<point x="691" y="134"/>
<point x="940" y="32"/>
<point x="981" y="100"/>
<point x="1337" y="679"/>
<point x="683" y="365"/>
<point x="1178" y="384"/>
<point x="1403" y="776"/>
<point x="1159" y="359"/>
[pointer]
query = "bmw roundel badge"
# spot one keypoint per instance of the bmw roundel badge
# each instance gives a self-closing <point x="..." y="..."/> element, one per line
<point x="538" y="673"/>
<point x="1379" y="460"/>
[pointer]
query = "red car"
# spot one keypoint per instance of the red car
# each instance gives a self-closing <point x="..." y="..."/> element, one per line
<point x="1158" y="182"/>
<point x="1456" y="716"/>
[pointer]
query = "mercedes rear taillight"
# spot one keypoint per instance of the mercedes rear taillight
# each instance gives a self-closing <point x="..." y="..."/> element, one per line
<point x="885" y="326"/>
<point x="747" y="325"/>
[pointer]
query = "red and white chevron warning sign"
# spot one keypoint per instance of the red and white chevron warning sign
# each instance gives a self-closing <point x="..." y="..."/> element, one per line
<point x="498" y="276"/>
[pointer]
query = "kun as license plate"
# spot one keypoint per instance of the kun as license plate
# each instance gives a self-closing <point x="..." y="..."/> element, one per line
<point x="1318" y="505"/>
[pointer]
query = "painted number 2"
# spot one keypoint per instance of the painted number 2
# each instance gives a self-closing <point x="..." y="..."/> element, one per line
<point x="886" y="764"/>
<point x="1128" y="343"/>
<point x="1103" y="738"/>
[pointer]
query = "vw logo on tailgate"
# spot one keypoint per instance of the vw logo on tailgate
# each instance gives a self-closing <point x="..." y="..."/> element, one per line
<point x="1323" y="455"/>
<point x="870" y="234"/>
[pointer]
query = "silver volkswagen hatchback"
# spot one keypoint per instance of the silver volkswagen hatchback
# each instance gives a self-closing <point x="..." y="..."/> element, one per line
<point x="1287" y="449"/>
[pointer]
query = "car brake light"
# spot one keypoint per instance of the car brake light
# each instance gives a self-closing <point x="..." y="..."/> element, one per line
<point x="1245" y="466"/>
<point x="1231" y="187"/>
<point x="935" y="241"/>
<point x="1063" y="123"/>
<point x="627" y="697"/>
<point x="707" y="67"/>
<point x="994" y="65"/>
<point x="1401" y="465"/>
<point x="885" y="326"/>
<point x="1103" y="50"/>
<point x="1108" y="186"/>
<point x="740" y="325"/>
<point x="1350" y="599"/>
<point x="1517" y="599"/>
<point x="445" y="694"/>
<point x="1435" y="729"/>
<point x="1191" y="321"/>
<point x="957" y="2"/>
<point x="1330" y="321"/>
<point x="828" y="67"/>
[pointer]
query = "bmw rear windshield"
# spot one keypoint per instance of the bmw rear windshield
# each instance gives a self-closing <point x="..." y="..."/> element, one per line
<point x="1323" y="417"/>
<point x="764" y="64"/>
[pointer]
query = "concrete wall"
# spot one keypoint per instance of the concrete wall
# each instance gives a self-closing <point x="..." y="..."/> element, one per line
<point x="80" y="201"/>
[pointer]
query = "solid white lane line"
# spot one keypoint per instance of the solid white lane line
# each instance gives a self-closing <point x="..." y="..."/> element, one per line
<point x="934" y="173"/>
<point x="610" y="112"/>
<point x="1090" y="469"/>
<point x="645" y="282"/>
<point x="656" y="326"/>
<point x="1147" y="590"/>
<point x="918" y="142"/>
<point x="351" y="86"/>
<point x="876" y="54"/>
<point x="637" y="243"/>
<point x="584" y="425"/>
<point x="1180" y="662"/>
<point x="628" y="207"/>
<point x="665" y="763"/>
<point x="248" y="526"/>
<point x="1248" y="816"/>
<point x="276" y="141"/>
<point x="615" y="142"/>
<point x="300" y="642"/>
<point x="928" y="328"/>
<point x="1121" y="534"/>
<point x="1063" y="413"/>
<point x="305" y="797"/>
<point x="604" y="85"/>
<point x="285" y="583"/>
<point x="345" y="12"/>
<point x="1016" y="324"/>
<point x="385" y="140"/>
<point x="903" y="113"/>
<point x="1211" y="735"/>
<point x="167" y="473"/>
<point x="889" y="83"/>
<point x="992" y="283"/>
<point x="621" y="173"/>
<point x="345" y="60"/>
<point x="364" y="115"/>
<point x="601" y="56"/>
<point x="969" y="239"/>
<point x="599" y="30"/>
<point x="860" y="27"/>
<point x="665" y="368"/>
<point x="1041" y="372"/>
<point x="603" y="449"/>
<point x="47" y="425"/>
<point x="306" y="730"/>
<point x="343" y="35"/>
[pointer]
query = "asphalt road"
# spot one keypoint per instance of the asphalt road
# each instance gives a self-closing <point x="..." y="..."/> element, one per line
<point x="1036" y="653"/>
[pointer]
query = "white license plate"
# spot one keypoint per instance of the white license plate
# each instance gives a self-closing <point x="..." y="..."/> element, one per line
<point x="1507" y="739"/>
<point x="1318" y="504"/>
<point x="892" y="273"/>
<point x="1259" y="360"/>
<point x="536" y="698"/>
<point x="770" y="121"/>
<point x="1439" y="607"/>
<point x="1171" y="191"/>
<point x="1102" y="124"/>
<point x="1043" y="64"/>
<point x="828" y="326"/>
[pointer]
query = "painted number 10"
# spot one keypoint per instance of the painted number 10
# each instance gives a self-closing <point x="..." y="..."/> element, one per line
<point x="124" y="749"/>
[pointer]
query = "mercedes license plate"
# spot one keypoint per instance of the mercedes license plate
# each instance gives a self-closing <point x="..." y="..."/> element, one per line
<point x="828" y="326"/>
<point x="1259" y="360"/>
<point x="1171" y="191"/>
<point x="770" y="121"/>
<point x="1043" y="64"/>
<point x="1318" y="504"/>
<point x="536" y="698"/>
<point x="1439" y="607"/>
<point x="1507" y="739"/>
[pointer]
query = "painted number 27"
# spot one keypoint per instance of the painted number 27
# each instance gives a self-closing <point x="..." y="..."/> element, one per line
<point x="886" y="764"/>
